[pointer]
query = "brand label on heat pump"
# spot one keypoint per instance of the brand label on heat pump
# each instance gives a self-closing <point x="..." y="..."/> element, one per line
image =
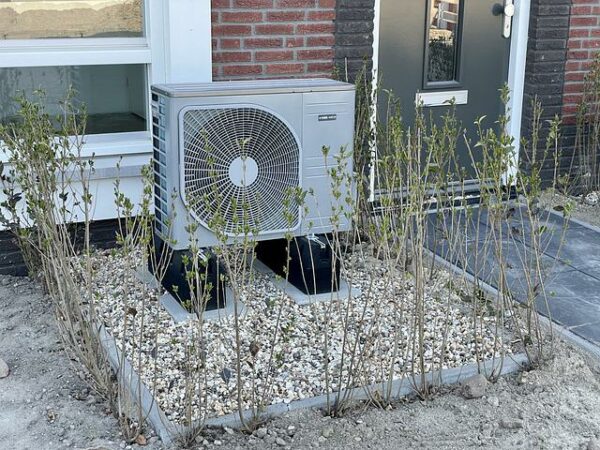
<point x="327" y="117"/>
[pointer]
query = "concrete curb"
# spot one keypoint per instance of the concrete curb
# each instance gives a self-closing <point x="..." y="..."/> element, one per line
<point x="131" y="381"/>
<point x="169" y="432"/>
<point x="344" y="292"/>
<point x="400" y="388"/>
<point x="178" y="312"/>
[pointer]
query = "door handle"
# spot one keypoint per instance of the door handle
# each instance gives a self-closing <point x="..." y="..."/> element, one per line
<point x="507" y="11"/>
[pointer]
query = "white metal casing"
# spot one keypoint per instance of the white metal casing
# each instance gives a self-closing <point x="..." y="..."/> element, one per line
<point x="318" y="112"/>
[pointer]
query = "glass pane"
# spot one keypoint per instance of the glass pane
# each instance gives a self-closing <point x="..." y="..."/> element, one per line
<point x="114" y="96"/>
<point x="38" y="19"/>
<point x="443" y="36"/>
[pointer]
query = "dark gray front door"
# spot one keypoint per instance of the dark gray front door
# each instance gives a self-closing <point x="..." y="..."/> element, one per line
<point x="445" y="49"/>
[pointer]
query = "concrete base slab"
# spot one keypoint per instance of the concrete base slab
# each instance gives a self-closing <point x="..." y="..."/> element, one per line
<point x="143" y="274"/>
<point x="179" y="313"/>
<point x="345" y="291"/>
<point x="174" y="308"/>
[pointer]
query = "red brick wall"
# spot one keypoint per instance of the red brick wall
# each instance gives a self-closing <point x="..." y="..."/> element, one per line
<point x="272" y="38"/>
<point x="583" y="45"/>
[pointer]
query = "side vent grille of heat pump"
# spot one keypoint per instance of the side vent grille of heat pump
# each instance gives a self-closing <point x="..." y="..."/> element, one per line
<point x="240" y="164"/>
<point x="160" y="164"/>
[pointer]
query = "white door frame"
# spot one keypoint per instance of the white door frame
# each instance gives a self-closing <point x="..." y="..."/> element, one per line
<point x="516" y="80"/>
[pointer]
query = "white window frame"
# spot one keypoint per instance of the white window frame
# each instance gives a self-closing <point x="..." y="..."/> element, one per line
<point x="176" y="48"/>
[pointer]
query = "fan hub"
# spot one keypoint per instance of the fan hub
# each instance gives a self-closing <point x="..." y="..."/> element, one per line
<point x="243" y="171"/>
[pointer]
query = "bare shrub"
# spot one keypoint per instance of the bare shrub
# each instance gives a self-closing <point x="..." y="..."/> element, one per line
<point x="46" y="186"/>
<point x="407" y="322"/>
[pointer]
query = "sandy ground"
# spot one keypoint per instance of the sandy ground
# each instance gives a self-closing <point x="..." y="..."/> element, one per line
<point x="44" y="404"/>
<point x="556" y="406"/>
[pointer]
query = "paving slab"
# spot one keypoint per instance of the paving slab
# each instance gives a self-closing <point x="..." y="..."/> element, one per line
<point x="575" y="284"/>
<point x="590" y="332"/>
<point x="571" y="242"/>
<point x="580" y="248"/>
<point x="570" y="261"/>
<point x="480" y="258"/>
<point x="458" y="224"/>
<point x="567" y="311"/>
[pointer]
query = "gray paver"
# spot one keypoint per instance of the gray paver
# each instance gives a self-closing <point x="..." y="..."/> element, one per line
<point x="571" y="265"/>
<point x="590" y="331"/>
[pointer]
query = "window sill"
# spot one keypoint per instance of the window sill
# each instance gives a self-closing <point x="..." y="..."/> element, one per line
<point x="112" y="145"/>
<point x="117" y="144"/>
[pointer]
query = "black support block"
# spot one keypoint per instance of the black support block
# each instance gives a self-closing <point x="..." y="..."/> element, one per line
<point x="211" y="286"/>
<point x="311" y="266"/>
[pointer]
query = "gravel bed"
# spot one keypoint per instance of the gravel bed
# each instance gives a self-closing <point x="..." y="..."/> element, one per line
<point x="194" y="363"/>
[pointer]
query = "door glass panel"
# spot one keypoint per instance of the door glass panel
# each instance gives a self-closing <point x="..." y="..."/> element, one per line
<point x="443" y="40"/>
<point x="39" y="19"/>
<point x="114" y="95"/>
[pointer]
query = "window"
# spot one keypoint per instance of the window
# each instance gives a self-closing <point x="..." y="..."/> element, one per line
<point x="114" y="95"/>
<point x="442" y="54"/>
<point x="110" y="52"/>
<point x="42" y="19"/>
<point x="98" y="48"/>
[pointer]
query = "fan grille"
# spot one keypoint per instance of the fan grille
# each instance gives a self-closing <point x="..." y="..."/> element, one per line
<point x="239" y="165"/>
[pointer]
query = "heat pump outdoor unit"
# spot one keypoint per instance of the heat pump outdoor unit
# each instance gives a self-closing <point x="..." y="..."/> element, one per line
<point x="218" y="145"/>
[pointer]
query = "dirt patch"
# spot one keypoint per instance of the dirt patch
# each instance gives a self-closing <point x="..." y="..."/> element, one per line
<point x="43" y="402"/>
<point x="556" y="406"/>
